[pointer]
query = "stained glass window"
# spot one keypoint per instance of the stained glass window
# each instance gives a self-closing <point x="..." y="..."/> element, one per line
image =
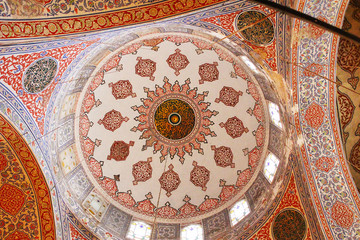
<point x="139" y="231"/>
<point x="275" y="114"/>
<point x="271" y="165"/>
<point x="192" y="232"/>
<point x="239" y="211"/>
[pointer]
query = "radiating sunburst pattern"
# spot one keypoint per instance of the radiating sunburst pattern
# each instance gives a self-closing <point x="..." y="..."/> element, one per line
<point x="158" y="139"/>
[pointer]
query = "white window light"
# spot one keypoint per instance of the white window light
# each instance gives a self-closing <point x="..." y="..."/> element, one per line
<point x="271" y="165"/>
<point x="275" y="114"/>
<point x="249" y="63"/>
<point x="139" y="231"/>
<point x="239" y="211"/>
<point x="95" y="205"/>
<point x="192" y="232"/>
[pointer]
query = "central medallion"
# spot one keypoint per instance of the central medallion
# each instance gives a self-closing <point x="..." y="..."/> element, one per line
<point x="174" y="119"/>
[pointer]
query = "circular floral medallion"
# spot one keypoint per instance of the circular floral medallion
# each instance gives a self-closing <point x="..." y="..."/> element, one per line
<point x="174" y="119"/>
<point x="188" y="109"/>
<point x="39" y="75"/>
<point x="179" y="129"/>
<point x="289" y="224"/>
<point x="261" y="33"/>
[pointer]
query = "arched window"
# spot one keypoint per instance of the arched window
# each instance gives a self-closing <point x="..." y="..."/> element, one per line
<point x="275" y="114"/>
<point x="192" y="232"/>
<point x="239" y="211"/>
<point x="139" y="231"/>
<point x="270" y="167"/>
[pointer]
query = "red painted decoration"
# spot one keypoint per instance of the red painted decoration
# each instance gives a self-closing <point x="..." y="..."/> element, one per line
<point x="314" y="116"/>
<point x="113" y="120"/>
<point x="122" y="89"/>
<point x="208" y="72"/>
<point x="145" y="68"/>
<point x="169" y="180"/>
<point x="12" y="199"/>
<point x="229" y="96"/>
<point x="177" y="61"/>
<point x="3" y="162"/>
<point x="342" y="214"/>
<point x="223" y="156"/>
<point x="234" y="127"/>
<point x="119" y="150"/>
<point x="142" y="171"/>
<point x="17" y="235"/>
<point x="199" y="176"/>
<point x="325" y="164"/>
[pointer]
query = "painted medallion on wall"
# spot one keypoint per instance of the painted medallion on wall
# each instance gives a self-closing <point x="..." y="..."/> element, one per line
<point x="261" y="33"/>
<point x="289" y="224"/>
<point x="39" y="75"/>
<point x="173" y="116"/>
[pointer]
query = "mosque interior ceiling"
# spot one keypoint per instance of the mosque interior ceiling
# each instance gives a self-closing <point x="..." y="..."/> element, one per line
<point x="166" y="119"/>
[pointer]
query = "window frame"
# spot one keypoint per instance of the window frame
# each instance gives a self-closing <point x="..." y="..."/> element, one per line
<point x="146" y="237"/>
<point x="276" y="168"/>
<point x="231" y="209"/>
<point x="195" y="224"/>
<point x="269" y="103"/>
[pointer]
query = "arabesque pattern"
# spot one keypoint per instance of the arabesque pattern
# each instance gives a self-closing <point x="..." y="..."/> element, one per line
<point x="36" y="103"/>
<point x="25" y="203"/>
<point x="310" y="92"/>
<point x="81" y="24"/>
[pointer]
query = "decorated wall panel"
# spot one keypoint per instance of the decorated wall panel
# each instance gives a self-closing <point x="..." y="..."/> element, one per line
<point x="320" y="134"/>
<point x="21" y="73"/>
<point x="103" y="20"/>
<point x="348" y="99"/>
<point x="291" y="200"/>
<point x="12" y="109"/>
<point x="233" y="22"/>
<point x="25" y="199"/>
<point x="288" y="220"/>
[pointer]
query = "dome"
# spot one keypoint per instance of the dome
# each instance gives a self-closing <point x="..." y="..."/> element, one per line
<point x="176" y="120"/>
<point x="172" y="121"/>
<point x="172" y="127"/>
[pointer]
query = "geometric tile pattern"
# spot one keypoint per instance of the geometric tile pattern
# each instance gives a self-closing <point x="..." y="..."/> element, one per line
<point x="167" y="231"/>
<point x="275" y="141"/>
<point x="215" y="224"/>
<point x="79" y="182"/>
<point x="117" y="220"/>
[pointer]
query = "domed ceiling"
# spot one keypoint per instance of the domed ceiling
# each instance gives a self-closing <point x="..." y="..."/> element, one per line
<point x="172" y="122"/>
<point x="169" y="123"/>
